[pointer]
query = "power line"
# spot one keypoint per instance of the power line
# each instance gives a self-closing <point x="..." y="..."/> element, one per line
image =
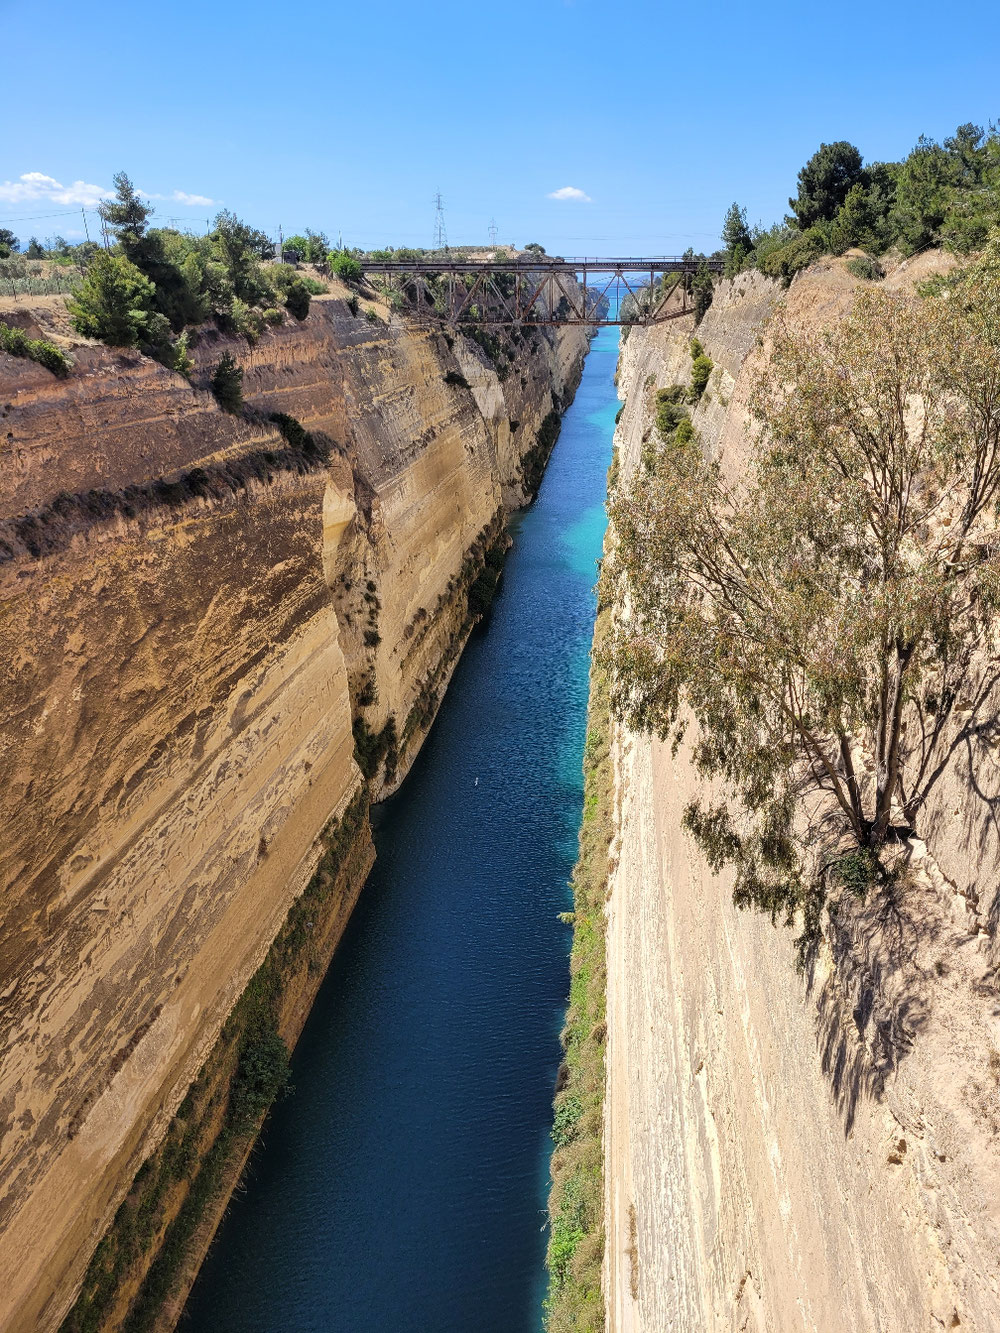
<point x="37" y="217"/>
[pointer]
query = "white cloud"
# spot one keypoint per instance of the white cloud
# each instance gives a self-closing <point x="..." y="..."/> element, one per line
<point x="195" y="200"/>
<point x="35" y="186"/>
<point x="571" y="192"/>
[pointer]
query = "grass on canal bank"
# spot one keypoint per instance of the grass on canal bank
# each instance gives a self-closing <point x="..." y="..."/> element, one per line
<point x="576" y="1200"/>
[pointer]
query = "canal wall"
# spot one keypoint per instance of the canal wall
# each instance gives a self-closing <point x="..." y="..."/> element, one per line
<point x="219" y="634"/>
<point x="764" y="1169"/>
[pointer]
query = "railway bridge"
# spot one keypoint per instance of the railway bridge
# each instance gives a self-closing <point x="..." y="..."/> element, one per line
<point x="541" y="290"/>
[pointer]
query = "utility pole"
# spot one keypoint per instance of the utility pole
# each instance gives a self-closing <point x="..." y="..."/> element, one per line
<point x="440" y="233"/>
<point x="493" y="231"/>
<point x="86" y="229"/>
<point x="281" y="245"/>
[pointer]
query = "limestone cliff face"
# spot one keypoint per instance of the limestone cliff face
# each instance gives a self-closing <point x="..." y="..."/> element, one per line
<point x="194" y="613"/>
<point x="794" y="1153"/>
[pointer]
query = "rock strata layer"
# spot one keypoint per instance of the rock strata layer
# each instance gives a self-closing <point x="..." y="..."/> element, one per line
<point x="203" y="621"/>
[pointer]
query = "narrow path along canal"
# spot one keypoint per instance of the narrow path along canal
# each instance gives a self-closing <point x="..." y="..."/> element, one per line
<point x="401" y="1188"/>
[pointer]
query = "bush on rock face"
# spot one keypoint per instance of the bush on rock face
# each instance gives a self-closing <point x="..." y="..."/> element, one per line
<point x="227" y="384"/>
<point x="17" y="343"/>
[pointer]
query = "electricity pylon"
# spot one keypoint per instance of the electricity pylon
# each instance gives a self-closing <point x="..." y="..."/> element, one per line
<point x="440" y="232"/>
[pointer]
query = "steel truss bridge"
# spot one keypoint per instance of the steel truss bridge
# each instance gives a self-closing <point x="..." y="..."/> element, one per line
<point x="543" y="291"/>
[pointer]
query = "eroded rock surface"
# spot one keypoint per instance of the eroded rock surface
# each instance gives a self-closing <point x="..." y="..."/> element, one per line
<point x="801" y="1153"/>
<point x="193" y="615"/>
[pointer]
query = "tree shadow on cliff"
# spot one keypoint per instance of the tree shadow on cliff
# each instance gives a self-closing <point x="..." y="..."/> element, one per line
<point x="877" y="995"/>
<point x="875" y="999"/>
<point x="984" y="843"/>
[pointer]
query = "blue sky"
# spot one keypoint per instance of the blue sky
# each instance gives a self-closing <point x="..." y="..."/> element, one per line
<point x="348" y="117"/>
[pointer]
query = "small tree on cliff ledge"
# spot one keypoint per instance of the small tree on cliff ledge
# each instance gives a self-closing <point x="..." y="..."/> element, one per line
<point x="227" y="383"/>
<point x="826" y="620"/>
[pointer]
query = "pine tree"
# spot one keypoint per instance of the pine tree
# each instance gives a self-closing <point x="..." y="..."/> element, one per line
<point x="127" y="216"/>
<point x="824" y="182"/>
<point x="115" y="303"/>
<point x="735" y="231"/>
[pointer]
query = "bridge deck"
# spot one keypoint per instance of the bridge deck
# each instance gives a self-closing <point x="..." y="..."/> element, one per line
<point x="544" y="264"/>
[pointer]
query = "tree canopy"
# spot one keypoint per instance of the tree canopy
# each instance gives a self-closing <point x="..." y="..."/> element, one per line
<point x="126" y="214"/>
<point x="824" y="182"/>
<point x="312" y="248"/>
<point x="736" y="232"/>
<point x="115" y="303"/>
<point x="941" y="194"/>
<point x="185" y="280"/>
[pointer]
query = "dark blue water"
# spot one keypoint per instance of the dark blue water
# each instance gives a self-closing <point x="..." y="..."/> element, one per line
<point x="402" y="1187"/>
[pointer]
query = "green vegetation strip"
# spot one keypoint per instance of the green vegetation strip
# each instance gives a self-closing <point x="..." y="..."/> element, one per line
<point x="576" y="1200"/>
<point x="151" y="1244"/>
<point x="51" y="529"/>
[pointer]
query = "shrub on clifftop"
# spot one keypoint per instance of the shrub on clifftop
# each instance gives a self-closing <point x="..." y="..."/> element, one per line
<point x="297" y="300"/>
<point x="345" y="266"/>
<point x="114" y="303"/>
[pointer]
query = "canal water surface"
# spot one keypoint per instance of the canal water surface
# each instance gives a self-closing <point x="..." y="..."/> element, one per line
<point x="401" y="1188"/>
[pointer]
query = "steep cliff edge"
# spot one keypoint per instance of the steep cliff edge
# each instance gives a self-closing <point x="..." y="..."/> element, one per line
<point x="791" y="1152"/>
<point x="205" y="618"/>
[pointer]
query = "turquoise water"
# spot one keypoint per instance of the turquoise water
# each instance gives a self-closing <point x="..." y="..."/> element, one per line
<point x="402" y="1187"/>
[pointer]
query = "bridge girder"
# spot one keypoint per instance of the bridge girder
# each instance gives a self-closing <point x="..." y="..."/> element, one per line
<point x="512" y="293"/>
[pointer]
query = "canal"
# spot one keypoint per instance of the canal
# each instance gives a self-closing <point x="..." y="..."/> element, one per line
<point x="401" y="1188"/>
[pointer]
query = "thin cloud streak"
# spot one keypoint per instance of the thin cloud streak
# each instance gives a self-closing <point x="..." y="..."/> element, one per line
<point x="181" y="197"/>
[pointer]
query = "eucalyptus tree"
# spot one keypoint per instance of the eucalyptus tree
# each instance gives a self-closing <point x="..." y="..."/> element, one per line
<point x="822" y="623"/>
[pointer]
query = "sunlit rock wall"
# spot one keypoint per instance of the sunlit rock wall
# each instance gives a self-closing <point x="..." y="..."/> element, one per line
<point x="791" y="1152"/>
<point x="192" y="616"/>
